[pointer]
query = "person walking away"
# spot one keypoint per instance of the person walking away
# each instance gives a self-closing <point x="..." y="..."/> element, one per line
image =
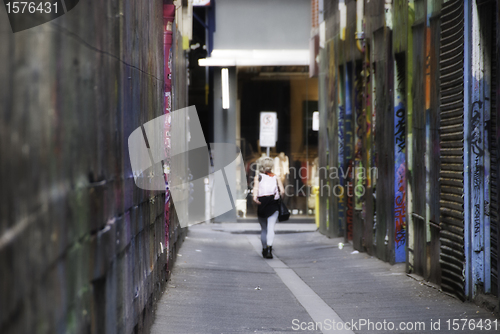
<point x="266" y="193"/>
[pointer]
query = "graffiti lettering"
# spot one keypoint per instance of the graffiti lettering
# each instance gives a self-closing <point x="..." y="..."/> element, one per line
<point x="341" y="210"/>
<point x="360" y="116"/>
<point x="341" y="135"/>
<point x="476" y="138"/>
<point x="400" y="220"/>
<point x="400" y="133"/>
<point x="477" y="220"/>
<point x="477" y="173"/>
<point x="350" y="212"/>
<point x="476" y="186"/>
<point x="340" y="120"/>
<point x="477" y="179"/>
<point x="400" y="207"/>
<point x="349" y="200"/>
<point x="400" y="169"/>
<point x="348" y="143"/>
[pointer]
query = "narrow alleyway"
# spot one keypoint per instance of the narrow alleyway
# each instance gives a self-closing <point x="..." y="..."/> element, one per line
<point x="221" y="284"/>
<point x="139" y="141"/>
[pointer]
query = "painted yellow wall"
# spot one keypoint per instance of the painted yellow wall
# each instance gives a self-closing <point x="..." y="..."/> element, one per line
<point x="300" y="90"/>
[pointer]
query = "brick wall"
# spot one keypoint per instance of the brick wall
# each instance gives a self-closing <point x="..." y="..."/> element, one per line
<point x="79" y="242"/>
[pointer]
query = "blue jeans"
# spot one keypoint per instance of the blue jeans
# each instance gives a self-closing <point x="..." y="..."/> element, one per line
<point x="267" y="229"/>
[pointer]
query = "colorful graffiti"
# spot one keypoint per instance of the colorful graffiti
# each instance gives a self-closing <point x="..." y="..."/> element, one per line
<point x="348" y="148"/>
<point x="340" y="135"/>
<point x="350" y="201"/>
<point x="400" y="208"/>
<point x="341" y="116"/>
<point x="341" y="211"/>
<point x="168" y="21"/>
<point x="360" y="131"/>
<point x="476" y="133"/>
<point x="477" y="144"/>
<point x="400" y="169"/>
<point x="372" y="104"/>
<point x="400" y="128"/>
<point x="368" y="121"/>
<point x="331" y="83"/>
<point x="479" y="161"/>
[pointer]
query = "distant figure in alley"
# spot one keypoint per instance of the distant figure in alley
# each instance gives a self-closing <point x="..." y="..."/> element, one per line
<point x="266" y="193"/>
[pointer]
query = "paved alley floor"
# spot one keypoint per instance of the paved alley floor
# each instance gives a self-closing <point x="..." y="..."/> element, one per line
<point x="221" y="284"/>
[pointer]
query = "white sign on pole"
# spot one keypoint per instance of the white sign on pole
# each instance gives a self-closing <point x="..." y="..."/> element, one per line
<point x="268" y="128"/>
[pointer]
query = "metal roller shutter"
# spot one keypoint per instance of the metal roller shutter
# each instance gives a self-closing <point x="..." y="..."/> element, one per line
<point x="452" y="255"/>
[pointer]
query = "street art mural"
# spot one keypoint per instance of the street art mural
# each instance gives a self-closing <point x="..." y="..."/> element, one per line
<point x="480" y="216"/>
<point x="168" y="21"/>
<point x="348" y="151"/>
<point x="372" y="127"/>
<point x="360" y="133"/>
<point x="369" y="118"/>
<point x="400" y="167"/>
<point x="428" y="140"/>
<point x="341" y="198"/>
<point x="440" y="103"/>
<point x="349" y="196"/>
<point x="480" y="153"/>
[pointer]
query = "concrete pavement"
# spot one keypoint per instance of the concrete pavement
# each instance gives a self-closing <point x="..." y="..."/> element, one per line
<point x="221" y="284"/>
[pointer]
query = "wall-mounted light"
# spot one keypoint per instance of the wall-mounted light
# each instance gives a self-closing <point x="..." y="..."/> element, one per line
<point x="225" y="88"/>
<point x="315" y="121"/>
<point x="343" y="18"/>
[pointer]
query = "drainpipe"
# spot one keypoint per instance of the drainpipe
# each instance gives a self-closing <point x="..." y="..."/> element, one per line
<point x="360" y="35"/>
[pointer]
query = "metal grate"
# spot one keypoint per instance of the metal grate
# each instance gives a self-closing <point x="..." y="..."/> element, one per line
<point x="452" y="257"/>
